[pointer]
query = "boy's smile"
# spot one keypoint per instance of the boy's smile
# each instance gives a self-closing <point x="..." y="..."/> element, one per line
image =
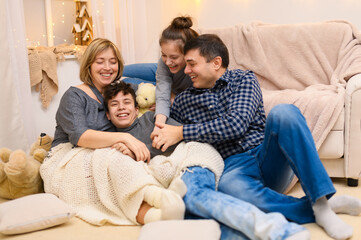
<point x="122" y="111"/>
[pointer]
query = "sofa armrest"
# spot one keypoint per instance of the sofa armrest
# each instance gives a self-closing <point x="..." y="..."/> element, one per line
<point x="352" y="127"/>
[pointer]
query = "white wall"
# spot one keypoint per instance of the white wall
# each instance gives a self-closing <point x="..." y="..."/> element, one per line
<point x="35" y="22"/>
<point x="206" y="13"/>
<point x="215" y="13"/>
<point x="63" y="18"/>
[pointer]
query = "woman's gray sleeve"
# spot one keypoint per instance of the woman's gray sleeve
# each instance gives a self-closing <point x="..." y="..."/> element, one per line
<point x="163" y="89"/>
<point x="71" y="116"/>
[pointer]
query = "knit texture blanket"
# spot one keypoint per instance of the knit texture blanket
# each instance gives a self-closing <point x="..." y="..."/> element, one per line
<point x="105" y="186"/>
<point x="307" y="65"/>
<point x="43" y="68"/>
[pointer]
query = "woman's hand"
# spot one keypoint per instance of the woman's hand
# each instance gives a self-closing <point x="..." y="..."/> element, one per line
<point x="139" y="149"/>
<point x="121" y="147"/>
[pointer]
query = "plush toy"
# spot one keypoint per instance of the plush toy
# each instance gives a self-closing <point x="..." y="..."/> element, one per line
<point x="145" y="97"/>
<point x="19" y="173"/>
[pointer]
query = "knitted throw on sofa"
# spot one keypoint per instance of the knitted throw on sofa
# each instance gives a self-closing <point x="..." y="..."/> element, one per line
<point x="105" y="186"/>
<point x="305" y="64"/>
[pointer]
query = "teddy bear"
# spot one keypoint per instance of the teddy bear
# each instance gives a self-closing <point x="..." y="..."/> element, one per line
<point x="19" y="172"/>
<point x="145" y="97"/>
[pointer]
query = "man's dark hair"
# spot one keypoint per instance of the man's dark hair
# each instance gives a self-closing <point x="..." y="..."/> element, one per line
<point x="114" y="88"/>
<point x="209" y="46"/>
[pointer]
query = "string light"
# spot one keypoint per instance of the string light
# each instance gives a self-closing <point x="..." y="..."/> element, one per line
<point x="60" y="22"/>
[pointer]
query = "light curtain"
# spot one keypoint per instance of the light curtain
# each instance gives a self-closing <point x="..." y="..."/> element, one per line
<point x="124" y="22"/>
<point x="16" y="119"/>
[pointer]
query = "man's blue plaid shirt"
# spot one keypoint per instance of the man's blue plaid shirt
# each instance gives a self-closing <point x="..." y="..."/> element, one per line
<point x="230" y="116"/>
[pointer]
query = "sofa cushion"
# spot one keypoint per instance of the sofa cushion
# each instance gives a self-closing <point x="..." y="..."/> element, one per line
<point x="333" y="146"/>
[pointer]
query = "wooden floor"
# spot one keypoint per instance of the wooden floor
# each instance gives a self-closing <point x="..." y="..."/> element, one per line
<point x="78" y="230"/>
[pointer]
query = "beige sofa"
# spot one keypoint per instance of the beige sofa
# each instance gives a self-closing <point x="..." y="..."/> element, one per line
<point x="341" y="150"/>
<point x="316" y="67"/>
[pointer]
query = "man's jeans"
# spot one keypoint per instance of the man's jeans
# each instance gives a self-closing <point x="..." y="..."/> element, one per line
<point x="259" y="175"/>
<point x="202" y="200"/>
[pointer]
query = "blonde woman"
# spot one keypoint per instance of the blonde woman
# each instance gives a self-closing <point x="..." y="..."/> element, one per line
<point x="82" y="125"/>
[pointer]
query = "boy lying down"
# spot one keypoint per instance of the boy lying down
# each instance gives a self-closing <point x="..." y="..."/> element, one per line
<point x="104" y="185"/>
<point x="122" y="111"/>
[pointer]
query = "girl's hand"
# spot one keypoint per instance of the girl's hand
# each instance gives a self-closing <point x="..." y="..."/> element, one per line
<point x="152" y="108"/>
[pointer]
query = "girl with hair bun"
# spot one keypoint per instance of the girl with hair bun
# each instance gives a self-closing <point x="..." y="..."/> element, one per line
<point x="169" y="72"/>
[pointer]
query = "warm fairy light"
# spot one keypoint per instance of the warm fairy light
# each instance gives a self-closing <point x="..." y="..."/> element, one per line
<point x="56" y="23"/>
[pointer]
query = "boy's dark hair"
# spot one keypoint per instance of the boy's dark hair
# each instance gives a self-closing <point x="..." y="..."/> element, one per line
<point x="209" y="46"/>
<point x="114" y="88"/>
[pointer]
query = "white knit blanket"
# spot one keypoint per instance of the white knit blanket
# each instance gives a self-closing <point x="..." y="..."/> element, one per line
<point x="105" y="186"/>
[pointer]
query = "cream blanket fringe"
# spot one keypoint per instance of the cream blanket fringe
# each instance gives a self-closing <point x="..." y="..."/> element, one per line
<point x="105" y="186"/>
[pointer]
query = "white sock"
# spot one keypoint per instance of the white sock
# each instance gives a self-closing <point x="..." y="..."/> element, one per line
<point x="345" y="204"/>
<point x="331" y="223"/>
<point x="169" y="202"/>
<point x="172" y="205"/>
<point x="303" y="235"/>
<point x="153" y="195"/>
<point x="152" y="215"/>
<point x="178" y="186"/>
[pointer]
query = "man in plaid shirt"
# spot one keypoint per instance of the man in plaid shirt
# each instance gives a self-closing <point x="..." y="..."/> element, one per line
<point x="225" y="109"/>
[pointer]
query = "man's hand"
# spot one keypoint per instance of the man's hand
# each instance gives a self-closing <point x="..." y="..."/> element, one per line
<point x="121" y="147"/>
<point x="165" y="135"/>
